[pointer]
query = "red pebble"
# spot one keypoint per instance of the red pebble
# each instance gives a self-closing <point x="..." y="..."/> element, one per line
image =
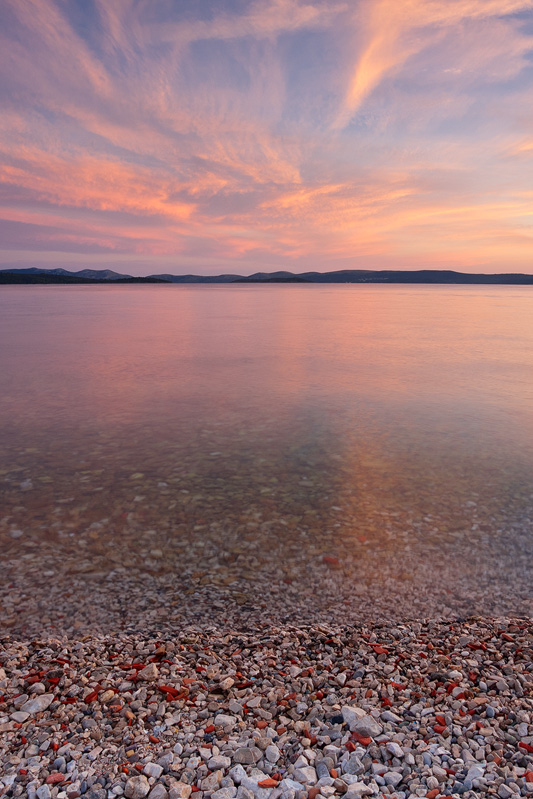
<point x="153" y="739"/>
<point x="350" y="746"/>
<point x="261" y="725"/>
<point x="527" y="747"/>
<point x="439" y="728"/>
<point x="268" y="783"/>
<point x="364" y="740"/>
<point x="53" y="779"/>
<point x="432" y="794"/>
<point x="528" y="776"/>
<point x="23" y="771"/>
<point x="330" y="560"/>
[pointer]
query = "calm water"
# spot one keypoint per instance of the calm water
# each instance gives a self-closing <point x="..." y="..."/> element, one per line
<point x="141" y="424"/>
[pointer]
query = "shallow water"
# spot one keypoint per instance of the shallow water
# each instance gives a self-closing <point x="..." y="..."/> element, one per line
<point x="235" y="436"/>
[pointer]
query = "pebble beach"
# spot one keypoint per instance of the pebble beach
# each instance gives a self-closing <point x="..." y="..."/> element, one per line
<point x="420" y="709"/>
<point x="169" y="652"/>
<point x="221" y="586"/>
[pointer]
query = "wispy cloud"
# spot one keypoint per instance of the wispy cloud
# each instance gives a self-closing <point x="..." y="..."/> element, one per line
<point x="293" y="132"/>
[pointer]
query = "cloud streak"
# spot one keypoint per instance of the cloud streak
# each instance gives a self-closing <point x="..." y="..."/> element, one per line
<point x="267" y="134"/>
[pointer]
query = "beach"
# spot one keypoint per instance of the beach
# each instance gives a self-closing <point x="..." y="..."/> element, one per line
<point x="428" y="709"/>
<point x="265" y="545"/>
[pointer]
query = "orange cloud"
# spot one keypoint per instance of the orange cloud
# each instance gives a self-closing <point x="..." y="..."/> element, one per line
<point x="393" y="32"/>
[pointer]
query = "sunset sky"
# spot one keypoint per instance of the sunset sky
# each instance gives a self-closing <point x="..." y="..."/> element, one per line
<point x="213" y="136"/>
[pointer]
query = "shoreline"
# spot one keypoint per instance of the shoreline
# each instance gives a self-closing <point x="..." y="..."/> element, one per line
<point x="420" y="708"/>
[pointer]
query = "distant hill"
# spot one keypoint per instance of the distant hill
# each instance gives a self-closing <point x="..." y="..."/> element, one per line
<point x="422" y="276"/>
<point x="16" y="278"/>
<point x="91" y="274"/>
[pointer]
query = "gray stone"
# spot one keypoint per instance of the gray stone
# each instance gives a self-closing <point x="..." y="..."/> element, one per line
<point x="391" y="717"/>
<point x="305" y="775"/>
<point x="38" y="704"/>
<point x="395" y="749"/>
<point x="353" y="765"/>
<point x="218" y="761"/>
<point x="153" y="770"/>
<point x="357" y="789"/>
<point x="158" y="792"/>
<point x="225" y="793"/>
<point x="351" y="715"/>
<point x="392" y="778"/>
<point x="367" y="726"/>
<point x="137" y="787"/>
<point x="19" y="716"/>
<point x="223" y="720"/>
<point x="322" y="769"/>
<point x="272" y="753"/>
<point x="245" y="756"/>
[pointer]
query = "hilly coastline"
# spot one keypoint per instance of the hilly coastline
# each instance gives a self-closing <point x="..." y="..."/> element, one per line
<point x="35" y="275"/>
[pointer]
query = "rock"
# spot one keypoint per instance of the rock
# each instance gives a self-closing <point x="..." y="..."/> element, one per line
<point x="395" y="749"/>
<point x="351" y="715"/>
<point x="225" y="793"/>
<point x="237" y="774"/>
<point x="392" y="778"/>
<point x="158" y="792"/>
<point x="218" y="762"/>
<point x="391" y="717"/>
<point x="306" y="775"/>
<point x="367" y="726"/>
<point x="43" y="792"/>
<point x="235" y="707"/>
<point x="357" y="789"/>
<point x="19" y="716"/>
<point x="180" y="790"/>
<point x="38" y="704"/>
<point x="150" y="672"/>
<point x="223" y="720"/>
<point x="353" y="766"/>
<point x="272" y="753"/>
<point x="245" y="756"/>
<point x="211" y="782"/>
<point x="153" y="770"/>
<point x="137" y="787"/>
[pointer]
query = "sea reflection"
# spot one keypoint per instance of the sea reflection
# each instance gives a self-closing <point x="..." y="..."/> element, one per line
<point x="369" y="446"/>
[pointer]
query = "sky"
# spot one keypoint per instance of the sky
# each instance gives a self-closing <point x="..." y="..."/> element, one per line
<point x="210" y="136"/>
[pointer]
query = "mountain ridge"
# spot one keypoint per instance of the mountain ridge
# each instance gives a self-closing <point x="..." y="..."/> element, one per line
<point x="420" y="276"/>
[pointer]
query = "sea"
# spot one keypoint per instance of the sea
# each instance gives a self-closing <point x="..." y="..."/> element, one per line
<point x="378" y="435"/>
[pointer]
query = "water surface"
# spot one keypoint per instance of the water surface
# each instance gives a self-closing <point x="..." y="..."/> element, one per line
<point x="266" y="447"/>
